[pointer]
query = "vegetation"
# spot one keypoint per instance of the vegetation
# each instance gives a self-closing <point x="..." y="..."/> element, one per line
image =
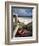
<point x="21" y="25"/>
<point x="28" y="26"/>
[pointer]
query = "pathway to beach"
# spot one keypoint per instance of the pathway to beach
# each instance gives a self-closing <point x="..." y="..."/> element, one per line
<point x="16" y="30"/>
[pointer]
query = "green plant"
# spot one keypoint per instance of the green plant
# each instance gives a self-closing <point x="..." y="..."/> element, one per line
<point x="29" y="27"/>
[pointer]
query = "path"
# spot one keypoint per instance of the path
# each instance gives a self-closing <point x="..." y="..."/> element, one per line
<point x="16" y="30"/>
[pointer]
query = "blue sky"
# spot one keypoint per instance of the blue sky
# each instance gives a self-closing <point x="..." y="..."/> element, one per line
<point x="22" y="11"/>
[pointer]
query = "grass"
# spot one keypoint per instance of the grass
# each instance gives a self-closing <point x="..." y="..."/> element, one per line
<point x="22" y="25"/>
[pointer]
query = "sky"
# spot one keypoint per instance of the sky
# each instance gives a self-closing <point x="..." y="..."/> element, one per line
<point x="22" y="11"/>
